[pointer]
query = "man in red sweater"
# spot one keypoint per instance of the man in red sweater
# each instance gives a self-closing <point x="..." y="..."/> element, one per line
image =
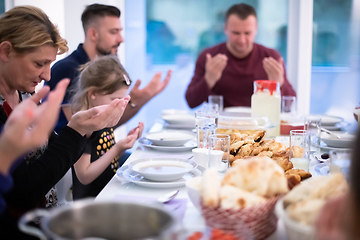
<point x="230" y="68"/>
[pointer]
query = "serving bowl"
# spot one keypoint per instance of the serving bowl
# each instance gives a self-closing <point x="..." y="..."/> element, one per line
<point x="294" y="230"/>
<point x="162" y="169"/>
<point x="193" y="187"/>
<point x="170" y="137"/>
<point x="346" y="139"/>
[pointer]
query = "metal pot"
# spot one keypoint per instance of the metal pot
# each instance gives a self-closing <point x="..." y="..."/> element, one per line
<point x="103" y="220"/>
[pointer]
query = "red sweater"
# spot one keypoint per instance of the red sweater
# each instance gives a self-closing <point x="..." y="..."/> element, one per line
<point x="236" y="83"/>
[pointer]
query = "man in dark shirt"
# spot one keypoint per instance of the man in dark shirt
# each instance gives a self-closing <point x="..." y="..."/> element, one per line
<point x="230" y="68"/>
<point x="102" y="28"/>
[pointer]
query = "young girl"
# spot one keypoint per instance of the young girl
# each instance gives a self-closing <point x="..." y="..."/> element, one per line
<point x="100" y="82"/>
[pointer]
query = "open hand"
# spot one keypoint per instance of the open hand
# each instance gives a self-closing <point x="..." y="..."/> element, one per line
<point x="130" y="139"/>
<point x="274" y="69"/>
<point x="214" y="67"/>
<point x="96" y="118"/>
<point x="154" y="87"/>
<point x="29" y="125"/>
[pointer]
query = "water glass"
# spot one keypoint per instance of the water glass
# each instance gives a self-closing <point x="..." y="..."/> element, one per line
<point x="313" y="125"/>
<point x="219" y="151"/>
<point x="340" y="160"/>
<point x="300" y="149"/>
<point x="206" y="124"/>
<point x="288" y="105"/>
<point x="216" y="99"/>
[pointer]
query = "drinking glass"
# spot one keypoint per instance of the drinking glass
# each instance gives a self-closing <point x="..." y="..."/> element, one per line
<point x="219" y="151"/>
<point x="206" y="124"/>
<point x="313" y="125"/>
<point x="288" y="105"/>
<point x="216" y="99"/>
<point x="340" y="160"/>
<point x="300" y="149"/>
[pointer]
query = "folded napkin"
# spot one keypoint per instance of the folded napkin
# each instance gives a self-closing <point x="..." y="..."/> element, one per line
<point x="177" y="205"/>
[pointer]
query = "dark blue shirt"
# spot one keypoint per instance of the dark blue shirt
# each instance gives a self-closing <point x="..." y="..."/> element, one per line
<point x="67" y="68"/>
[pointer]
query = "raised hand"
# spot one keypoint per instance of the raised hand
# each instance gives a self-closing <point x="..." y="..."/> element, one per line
<point x="29" y="125"/>
<point x="140" y="127"/>
<point x="96" y="118"/>
<point x="154" y="87"/>
<point x="274" y="69"/>
<point x="214" y="67"/>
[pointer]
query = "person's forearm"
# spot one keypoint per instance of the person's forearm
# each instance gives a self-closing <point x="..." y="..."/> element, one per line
<point x="197" y="93"/>
<point x="96" y="168"/>
<point x="7" y="158"/>
<point x="128" y="114"/>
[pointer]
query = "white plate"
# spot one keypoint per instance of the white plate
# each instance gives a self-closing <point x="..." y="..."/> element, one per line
<point x="186" y="147"/>
<point x="169" y="137"/>
<point x="337" y="126"/>
<point x="345" y="141"/>
<point x="326" y="147"/>
<point x="180" y="119"/>
<point x="131" y="176"/>
<point x="172" y="112"/>
<point x="179" y="126"/>
<point x="162" y="169"/>
<point x="238" y="109"/>
<point x="328" y="120"/>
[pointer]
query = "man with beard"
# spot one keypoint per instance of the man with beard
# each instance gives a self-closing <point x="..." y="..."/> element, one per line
<point x="230" y="68"/>
<point x="102" y="29"/>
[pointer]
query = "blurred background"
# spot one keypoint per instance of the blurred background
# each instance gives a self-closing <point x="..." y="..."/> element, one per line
<point x="169" y="34"/>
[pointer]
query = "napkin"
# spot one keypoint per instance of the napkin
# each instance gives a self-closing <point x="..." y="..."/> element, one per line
<point x="177" y="205"/>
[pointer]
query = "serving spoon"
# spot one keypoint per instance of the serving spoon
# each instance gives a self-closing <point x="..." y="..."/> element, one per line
<point x="327" y="131"/>
<point x="167" y="197"/>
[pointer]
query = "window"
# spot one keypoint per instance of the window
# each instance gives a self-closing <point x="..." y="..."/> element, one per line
<point x="176" y="32"/>
<point x="335" y="83"/>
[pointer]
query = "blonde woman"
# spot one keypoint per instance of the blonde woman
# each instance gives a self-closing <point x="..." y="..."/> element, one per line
<point x="29" y="43"/>
<point x="99" y="83"/>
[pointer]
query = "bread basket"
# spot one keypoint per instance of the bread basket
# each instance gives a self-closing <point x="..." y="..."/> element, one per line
<point x="257" y="222"/>
<point x="294" y="230"/>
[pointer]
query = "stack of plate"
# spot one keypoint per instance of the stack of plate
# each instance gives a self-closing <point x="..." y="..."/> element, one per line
<point x="160" y="172"/>
<point x="179" y="121"/>
<point x="169" y="140"/>
<point x="345" y="140"/>
<point x="332" y="123"/>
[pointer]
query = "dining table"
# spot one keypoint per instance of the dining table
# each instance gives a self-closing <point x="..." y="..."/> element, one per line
<point x="191" y="219"/>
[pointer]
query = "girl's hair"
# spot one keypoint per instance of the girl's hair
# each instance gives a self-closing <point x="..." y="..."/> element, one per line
<point x="28" y="27"/>
<point x="104" y="75"/>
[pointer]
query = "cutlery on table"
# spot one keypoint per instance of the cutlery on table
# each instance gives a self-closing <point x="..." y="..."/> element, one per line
<point x="167" y="197"/>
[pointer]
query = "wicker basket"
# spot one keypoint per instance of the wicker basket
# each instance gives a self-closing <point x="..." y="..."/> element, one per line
<point x="257" y="222"/>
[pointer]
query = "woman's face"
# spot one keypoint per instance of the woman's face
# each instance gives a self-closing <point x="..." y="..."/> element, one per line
<point x="26" y="71"/>
<point x="98" y="99"/>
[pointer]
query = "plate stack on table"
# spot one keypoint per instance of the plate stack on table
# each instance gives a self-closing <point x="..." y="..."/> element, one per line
<point x="178" y="119"/>
<point x="160" y="172"/>
<point x="332" y="123"/>
<point x="169" y="140"/>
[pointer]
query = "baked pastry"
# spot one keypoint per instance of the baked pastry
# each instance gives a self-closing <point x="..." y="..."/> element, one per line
<point x="305" y="211"/>
<point x="210" y="187"/>
<point x="235" y="198"/>
<point x="302" y="173"/>
<point x="320" y="187"/>
<point x="258" y="175"/>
